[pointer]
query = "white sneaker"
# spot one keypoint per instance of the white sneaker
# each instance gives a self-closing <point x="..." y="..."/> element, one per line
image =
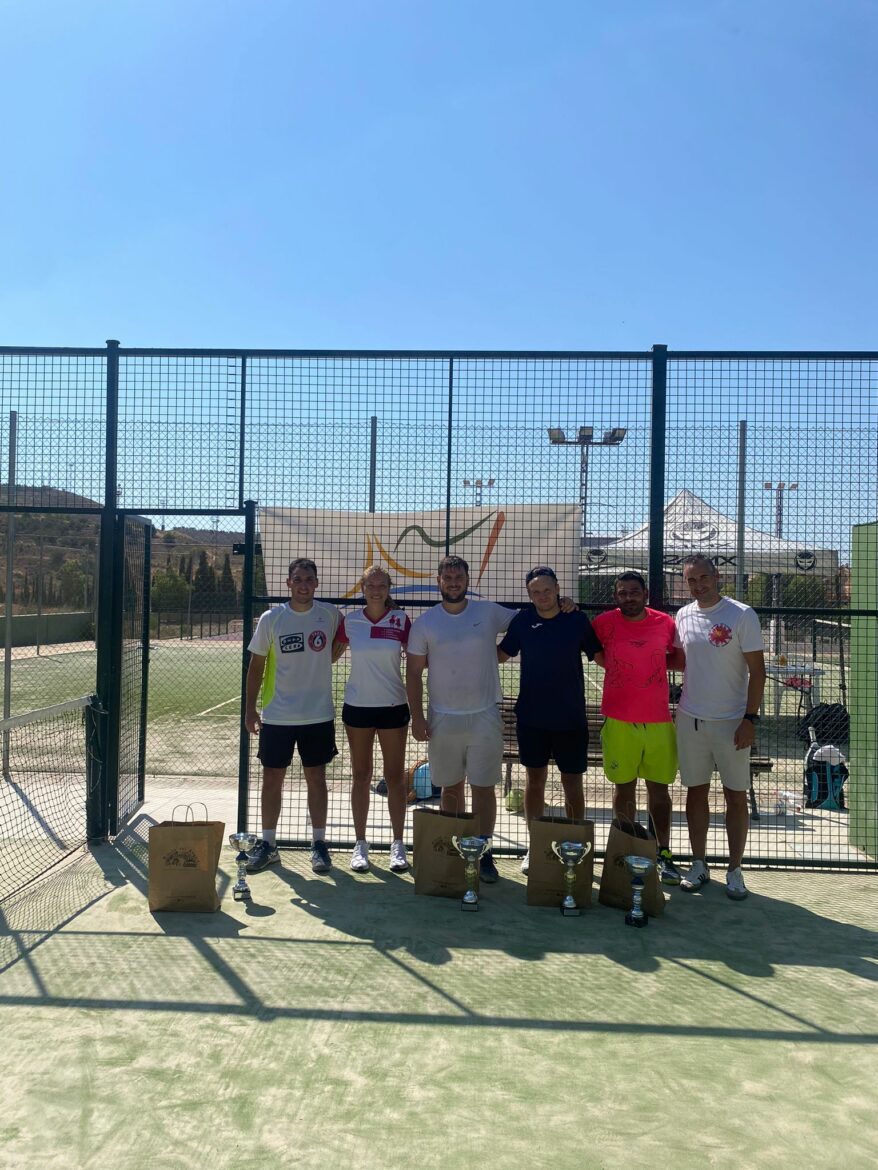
<point x="525" y="862"/>
<point x="399" y="863"/>
<point x="360" y="858"/>
<point x="698" y="876"/>
<point x="735" y="887"/>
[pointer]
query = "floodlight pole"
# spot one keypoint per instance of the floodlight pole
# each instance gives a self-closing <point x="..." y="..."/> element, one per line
<point x="585" y="440"/>
<point x="373" y="459"/>
<point x="779" y="489"/>
<point x="477" y="486"/>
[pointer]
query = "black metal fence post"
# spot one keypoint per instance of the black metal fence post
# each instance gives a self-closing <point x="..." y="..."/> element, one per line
<point x="144" y="663"/>
<point x="95" y="804"/>
<point x="107" y="653"/>
<point x="112" y="697"/>
<point x="449" y="452"/>
<point x="657" y="442"/>
<point x="247" y="613"/>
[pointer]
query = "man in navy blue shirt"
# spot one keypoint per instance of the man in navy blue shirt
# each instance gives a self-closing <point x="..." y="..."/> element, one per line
<point x="550" y="711"/>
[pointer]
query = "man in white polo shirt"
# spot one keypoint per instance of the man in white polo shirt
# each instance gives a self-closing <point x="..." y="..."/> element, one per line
<point x="457" y="643"/>
<point x="717" y="714"/>
<point x="291" y="656"/>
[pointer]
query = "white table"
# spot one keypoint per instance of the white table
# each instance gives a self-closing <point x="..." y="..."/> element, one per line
<point x="801" y="677"/>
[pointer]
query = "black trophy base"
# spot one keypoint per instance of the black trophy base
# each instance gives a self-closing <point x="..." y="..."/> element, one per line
<point x="636" y="920"/>
<point x="570" y="911"/>
<point x="470" y="906"/>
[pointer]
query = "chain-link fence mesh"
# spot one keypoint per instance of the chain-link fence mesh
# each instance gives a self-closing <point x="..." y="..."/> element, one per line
<point x="514" y="458"/>
<point x="43" y="789"/>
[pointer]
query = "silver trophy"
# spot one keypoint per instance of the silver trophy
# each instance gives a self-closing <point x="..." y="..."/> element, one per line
<point x="243" y="842"/>
<point x="570" y="854"/>
<point x="471" y="850"/>
<point x="638" y="867"/>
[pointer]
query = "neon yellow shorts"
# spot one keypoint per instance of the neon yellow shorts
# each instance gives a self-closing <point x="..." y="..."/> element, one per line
<point x="647" y="751"/>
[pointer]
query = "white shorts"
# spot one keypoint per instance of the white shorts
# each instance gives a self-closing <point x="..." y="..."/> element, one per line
<point x="705" y="746"/>
<point x="468" y="746"/>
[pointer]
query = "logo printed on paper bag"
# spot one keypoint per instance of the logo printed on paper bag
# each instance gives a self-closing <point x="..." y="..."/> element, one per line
<point x="443" y="845"/>
<point x="183" y="858"/>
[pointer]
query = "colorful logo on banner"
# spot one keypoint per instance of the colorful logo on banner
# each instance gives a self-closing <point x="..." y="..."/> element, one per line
<point x="374" y="548"/>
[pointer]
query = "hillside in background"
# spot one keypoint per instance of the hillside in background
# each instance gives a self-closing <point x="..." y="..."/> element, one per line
<point x="55" y="553"/>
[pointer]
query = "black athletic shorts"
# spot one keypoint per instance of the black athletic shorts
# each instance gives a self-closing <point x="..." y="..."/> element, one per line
<point x="538" y="745"/>
<point x="315" y="741"/>
<point x="378" y="717"/>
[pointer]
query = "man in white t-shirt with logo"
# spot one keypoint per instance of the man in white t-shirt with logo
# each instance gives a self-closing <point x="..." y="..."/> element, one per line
<point x="717" y="714"/>
<point x="456" y="642"/>
<point x="291" y="656"/>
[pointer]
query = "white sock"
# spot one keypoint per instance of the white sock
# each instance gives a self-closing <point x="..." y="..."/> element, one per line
<point x="319" y="834"/>
<point x="269" y="836"/>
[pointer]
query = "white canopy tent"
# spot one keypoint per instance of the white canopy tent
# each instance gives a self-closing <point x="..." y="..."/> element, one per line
<point x="691" y="525"/>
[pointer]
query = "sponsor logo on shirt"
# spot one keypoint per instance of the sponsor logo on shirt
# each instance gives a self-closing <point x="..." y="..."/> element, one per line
<point x="292" y="643"/>
<point x="394" y="620"/>
<point x="317" y="640"/>
<point x="536" y="626"/>
<point x="719" y="635"/>
<point x="386" y="632"/>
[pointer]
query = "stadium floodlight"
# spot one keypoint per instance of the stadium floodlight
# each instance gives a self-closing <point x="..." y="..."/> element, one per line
<point x="584" y="441"/>
<point x="479" y="486"/>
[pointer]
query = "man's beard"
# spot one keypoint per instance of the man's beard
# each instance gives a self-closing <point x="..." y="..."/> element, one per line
<point x="450" y="597"/>
<point x="632" y="609"/>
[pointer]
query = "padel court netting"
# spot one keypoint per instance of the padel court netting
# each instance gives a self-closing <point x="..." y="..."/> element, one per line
<point x="594" y="462"/>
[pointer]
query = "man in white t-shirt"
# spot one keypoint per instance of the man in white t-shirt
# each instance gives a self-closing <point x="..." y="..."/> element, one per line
<point x="291" y="656"/>
<point x="717" y="714"/>
<point x="456" y="642"/>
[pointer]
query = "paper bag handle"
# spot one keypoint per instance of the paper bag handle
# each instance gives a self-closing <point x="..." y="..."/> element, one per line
<point x="189" y="813"/>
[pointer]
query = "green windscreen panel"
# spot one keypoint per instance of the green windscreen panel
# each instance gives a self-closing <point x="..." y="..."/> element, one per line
<point x="864" y="691"/>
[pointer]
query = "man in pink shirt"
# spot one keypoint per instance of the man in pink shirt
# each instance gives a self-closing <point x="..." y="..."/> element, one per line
<point x="638" y="737"/>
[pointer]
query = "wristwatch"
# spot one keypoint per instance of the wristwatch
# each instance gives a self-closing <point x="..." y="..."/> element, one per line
<point x="751" y="718"/>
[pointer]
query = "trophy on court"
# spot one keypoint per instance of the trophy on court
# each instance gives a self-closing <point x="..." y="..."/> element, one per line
<point x="638" y="867"/>
<point x="471" y="850"/>
<point x="570" y="854"/>
<point x="243" y="842"/>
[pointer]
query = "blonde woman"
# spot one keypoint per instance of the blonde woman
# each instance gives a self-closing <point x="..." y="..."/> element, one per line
<point x="375" y="705"/>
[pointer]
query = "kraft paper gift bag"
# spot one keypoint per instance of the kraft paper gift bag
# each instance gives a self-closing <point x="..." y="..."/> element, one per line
<point x="183" y="861"/>
<point x="437" y="866"/>
<point x="545" y="874"/>
<point x="615" y="888"/>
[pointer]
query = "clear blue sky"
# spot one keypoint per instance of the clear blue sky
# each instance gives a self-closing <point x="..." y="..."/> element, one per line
<point x="270" y="173"/>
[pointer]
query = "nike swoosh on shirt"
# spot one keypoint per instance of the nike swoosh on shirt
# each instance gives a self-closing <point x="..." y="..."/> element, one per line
<point x="537" y="626"/>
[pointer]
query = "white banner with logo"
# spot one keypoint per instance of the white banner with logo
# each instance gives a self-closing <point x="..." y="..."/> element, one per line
<point x="500" y="544"/>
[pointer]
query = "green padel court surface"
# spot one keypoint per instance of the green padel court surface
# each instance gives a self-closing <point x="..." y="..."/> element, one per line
<point x="343" y="1022"/>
